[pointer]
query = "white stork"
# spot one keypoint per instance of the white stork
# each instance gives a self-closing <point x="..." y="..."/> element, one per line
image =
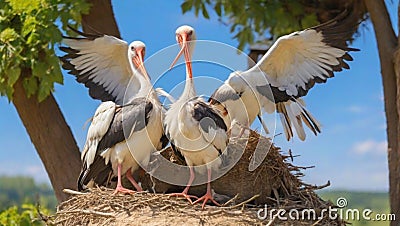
<point x="194" y="128"/>
<point x="122" y="133"/>
<point x="289" y="69"/>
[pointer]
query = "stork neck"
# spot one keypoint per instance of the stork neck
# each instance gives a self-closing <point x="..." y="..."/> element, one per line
<point x="146" y="89"/>
<point x="189" y="90"/>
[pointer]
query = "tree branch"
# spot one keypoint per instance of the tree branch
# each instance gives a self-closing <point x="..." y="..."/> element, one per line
<point x="100" y="19"/>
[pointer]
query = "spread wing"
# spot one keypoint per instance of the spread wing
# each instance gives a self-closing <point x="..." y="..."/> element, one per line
<point x="297" y="61"/>
<point x="101" y="63"/>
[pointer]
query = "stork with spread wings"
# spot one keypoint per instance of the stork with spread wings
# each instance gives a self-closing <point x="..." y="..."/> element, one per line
<point x="290" y="68"/>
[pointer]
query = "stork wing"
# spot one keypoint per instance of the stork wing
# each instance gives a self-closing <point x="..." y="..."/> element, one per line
<point x="101" y="63"/>
<point x="94" y="166"/>
<point x="212" y="125"/>
<point x="100" y="125"/>
<point x="299" y="60"/>
<point x="128" y="119"/>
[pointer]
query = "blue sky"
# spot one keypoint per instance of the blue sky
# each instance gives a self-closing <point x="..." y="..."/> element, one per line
<point x="350" y="152"/>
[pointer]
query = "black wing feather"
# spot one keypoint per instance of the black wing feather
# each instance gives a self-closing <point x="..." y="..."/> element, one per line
<point x="99" y="171"/>
<point x="203" y="111"/>
<point x="133" y="116"/>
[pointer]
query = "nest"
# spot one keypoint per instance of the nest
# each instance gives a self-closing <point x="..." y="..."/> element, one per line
<point x="275" y="184"/>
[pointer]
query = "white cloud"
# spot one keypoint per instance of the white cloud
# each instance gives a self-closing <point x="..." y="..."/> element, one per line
<point x="356" y="109"/>
<point x="38" y="171"/>
<point x="34" y="169"/>
<point x="370" y="147"/>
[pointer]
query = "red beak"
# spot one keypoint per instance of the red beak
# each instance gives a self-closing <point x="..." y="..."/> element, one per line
<point x="139" y="62"/>
<point x="185" y="51"/>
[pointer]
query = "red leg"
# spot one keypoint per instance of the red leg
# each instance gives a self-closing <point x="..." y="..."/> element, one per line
<point x="243" y="128"/>
<point x="208" y="195"/>
<point x="128" y="175"/>
<point x="185" y="192"/>
<point x="119" y="187"/>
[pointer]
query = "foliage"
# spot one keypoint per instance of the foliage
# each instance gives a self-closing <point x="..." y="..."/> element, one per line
<point x="28" y="33"/>
<point x="27" y="215"/>
<point x="251" y="19"/>
<point x="20" y="190"/>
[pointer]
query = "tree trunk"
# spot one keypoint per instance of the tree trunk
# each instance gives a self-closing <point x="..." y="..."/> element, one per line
<point x="100" y="19"/>
<point x="387" y="44"/>
<point x="45" y="122"/>
<point x="51" y="136"/>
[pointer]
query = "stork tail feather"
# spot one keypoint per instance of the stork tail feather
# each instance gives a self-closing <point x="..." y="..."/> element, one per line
<point x="294" y="114"/>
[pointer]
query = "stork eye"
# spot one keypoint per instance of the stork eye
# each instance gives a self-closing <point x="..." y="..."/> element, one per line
<point x="132" y="48"/>
<point x="190" y="32"/>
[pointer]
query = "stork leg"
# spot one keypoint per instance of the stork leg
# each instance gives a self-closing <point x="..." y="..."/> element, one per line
<point x="208" y="195"/>
<point x="185" y="192"/>
<point x="242" y="129"/>
<point x="128" y="175"/>
<point x="119" y="187"/>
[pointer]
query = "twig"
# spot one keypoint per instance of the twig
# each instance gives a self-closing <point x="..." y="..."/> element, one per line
<point x="72" y="192"/>
<point x="316" y="223"/>
<point x="88" y="212"/>
<point x="271" y="221"/>
<point x="242" y="203"/>
<point x="231" y="200"/>
<point x="316" y="187"/>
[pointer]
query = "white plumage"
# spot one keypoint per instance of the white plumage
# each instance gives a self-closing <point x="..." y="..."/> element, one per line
<point x="122" y="137"/>
<point x="194" y="128"/>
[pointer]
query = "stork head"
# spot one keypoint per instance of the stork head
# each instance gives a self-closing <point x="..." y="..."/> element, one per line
<point x="185" y="36"/>
<point x="136" y="52"/>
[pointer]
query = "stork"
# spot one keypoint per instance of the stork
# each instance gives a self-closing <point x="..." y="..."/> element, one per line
<point x="289" y="69"/>
<point x="123" y="135"/>
<point x="194" y="128"/>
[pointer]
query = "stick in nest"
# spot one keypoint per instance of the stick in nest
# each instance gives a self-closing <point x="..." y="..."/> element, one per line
<point x="88" y="212"/>
<point x="242" y="203"/>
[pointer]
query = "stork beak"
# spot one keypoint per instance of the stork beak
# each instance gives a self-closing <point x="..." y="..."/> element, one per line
<point x="185" y="51"/>
<point x="139" y="62"/>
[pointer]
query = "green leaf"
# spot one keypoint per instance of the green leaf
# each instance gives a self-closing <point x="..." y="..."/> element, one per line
<point x="30" y="85"/>
<point x="26" y="6"/>
<point x="204" y="11"/>
<point x="309" y="21"/>
<point x="8" y="35"/>
<point x="197" y="6"/>
<point x="186" y="6"/>
<point x="45" y="88"/>
<point x="39" y="69"/>
<point x="29" y="25"/>
<point x="13" y="75"/>
<point x="218" y="8"/>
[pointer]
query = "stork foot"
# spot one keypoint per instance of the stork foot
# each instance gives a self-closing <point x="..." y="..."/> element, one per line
<point x="182" y="194"/>
<point x="120" y="189"/>
<point x="206" y="197"/>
